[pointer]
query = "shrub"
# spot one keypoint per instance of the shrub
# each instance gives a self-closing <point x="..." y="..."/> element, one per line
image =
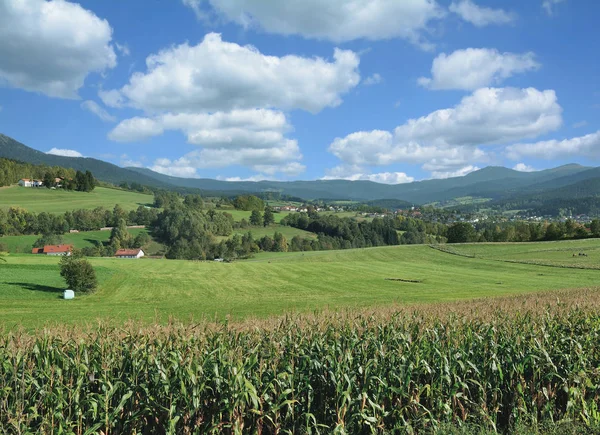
<point x="78" y="273"/>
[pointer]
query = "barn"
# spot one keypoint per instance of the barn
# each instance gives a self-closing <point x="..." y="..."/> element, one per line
<point x="129" y="253"/>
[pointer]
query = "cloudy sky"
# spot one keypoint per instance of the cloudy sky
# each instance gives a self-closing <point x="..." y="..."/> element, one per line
<point x="385" y="90"/>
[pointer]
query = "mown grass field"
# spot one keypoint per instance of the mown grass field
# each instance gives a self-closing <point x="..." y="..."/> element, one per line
<point x="23" y="244"/>
<point x="59" y="201"/>
<point x="271" y="284"/>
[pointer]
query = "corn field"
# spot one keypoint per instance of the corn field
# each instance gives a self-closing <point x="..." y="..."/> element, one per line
<point x="347" y="373"/>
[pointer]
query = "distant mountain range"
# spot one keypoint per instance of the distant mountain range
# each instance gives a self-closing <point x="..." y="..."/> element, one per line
<point x="493" y="182"/>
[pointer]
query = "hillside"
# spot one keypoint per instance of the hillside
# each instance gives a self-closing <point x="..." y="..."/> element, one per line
<point x="59" y="201"/>
<point x="491" y="182"/>
<point x="11" y="149"/>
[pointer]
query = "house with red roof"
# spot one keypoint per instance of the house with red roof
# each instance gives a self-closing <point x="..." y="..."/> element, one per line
<point x="53" y="250"/>
<point x="129" y="253"/>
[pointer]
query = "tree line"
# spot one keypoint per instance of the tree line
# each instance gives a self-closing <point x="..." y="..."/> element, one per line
<point x="17" y="221"/>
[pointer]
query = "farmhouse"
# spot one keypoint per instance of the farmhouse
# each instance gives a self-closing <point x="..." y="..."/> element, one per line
<point x="26" y="182"/>
<point x="53" y="250"/>
<point x="129" y="253"/>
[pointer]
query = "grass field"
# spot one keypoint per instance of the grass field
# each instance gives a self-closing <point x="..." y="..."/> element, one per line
<point x="238" y="215"/>
<point x="151" y="290"/>
<point x="59" y="201"/>
<point x="23" y="244"/>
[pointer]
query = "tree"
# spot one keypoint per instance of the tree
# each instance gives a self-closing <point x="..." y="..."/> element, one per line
<point x="119" y="236"/>
<point x="49" y="180"/>
<point x="268" y="217"/>
<point x="141" y="240"/>
<point x="48" y="239"/>
<point x="595" y="228"/>
<point x="78" y="273"/>
<point x="461" y="232"/>
<point x="256" y="218"/>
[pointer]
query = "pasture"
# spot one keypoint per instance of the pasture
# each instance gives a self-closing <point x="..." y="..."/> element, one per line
<point x="59" y="200"/>
<point x="152" y="290"/>
<point x="23" y="244"/>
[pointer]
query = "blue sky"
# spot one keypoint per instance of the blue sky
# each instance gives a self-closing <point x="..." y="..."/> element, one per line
<point x="386" y="90"/>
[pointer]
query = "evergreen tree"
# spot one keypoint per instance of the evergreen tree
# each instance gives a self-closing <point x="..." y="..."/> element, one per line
<point x="256" y="218"/>
<point x="268" y="217"/>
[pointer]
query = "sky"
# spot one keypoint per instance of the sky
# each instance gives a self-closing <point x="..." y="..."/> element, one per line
<point x="391" y="91"/>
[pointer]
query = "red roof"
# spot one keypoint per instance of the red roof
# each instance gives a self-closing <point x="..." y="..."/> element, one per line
<point x="57" y="249"/>
<point x="127" y="252"/>
<point x="37" y="251"/>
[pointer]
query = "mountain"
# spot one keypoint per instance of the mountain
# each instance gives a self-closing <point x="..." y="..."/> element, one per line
<point x="11" y="149"/>
<point x="494" y="182"/>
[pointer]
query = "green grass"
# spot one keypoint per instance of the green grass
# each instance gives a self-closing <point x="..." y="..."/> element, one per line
<point x="23" y="244"/>
<point x="238" y="215"/>
<point x="557" y="254"/>
<point x="271" y="284"/>
<point x="59" y="201"/>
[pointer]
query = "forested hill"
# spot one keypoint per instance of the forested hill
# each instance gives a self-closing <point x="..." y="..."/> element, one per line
<point x="495" y="183"/>
<point x="11" y="149"/>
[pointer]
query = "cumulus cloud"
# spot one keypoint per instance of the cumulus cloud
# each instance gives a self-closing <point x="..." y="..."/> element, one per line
<point x="586" y="146"/>
<point x="355" y="173"/>
<point x="475" y="68"/>
<point x="522" y="167"/>
<point x="480" y="16"/>
<point x="93" y="107"/>
<point x="64" y="152"/>
<point x="449" y="139"/>
<point x="215" y="75"/>
<point x="333" y="20"/>
<point x="461" y="172"/>
<point x="374" y="79"/>
<point x="52" y="46"/>
<point x="251" y="138"/>
<point x="548" y="5"/>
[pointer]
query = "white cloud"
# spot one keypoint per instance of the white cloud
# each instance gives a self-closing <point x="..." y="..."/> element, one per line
<point x="123" y="49"/>
<point x="257" y="177"/>
<point x="355" y="173"/>
<point x="52" y="46"/>
<point x="548" y="5"/>
<point x="174" y="169"/>
<point x="251" y="138"/>
<point x="475" y="68"/>
<point x="373" y="80"/>
<point x="333" y="20"/>
<point x="522" y="167"/>
<point x="449" y="139"/>
<point x="135" y="130"/>
<point x="95" y="108"/>
<point x="580" y="124"/>
<point x="584" y="146"/>
<point x="461" y="172"/>
<point x="216" y="75"/>
<point x="64" y="152"/>
<point x="481" y="16"/>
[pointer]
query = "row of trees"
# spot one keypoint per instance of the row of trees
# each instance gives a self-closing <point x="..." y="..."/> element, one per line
<point x="17" y="221"/>
<point x="344" y="233"/>
<point x="464" y="232"/>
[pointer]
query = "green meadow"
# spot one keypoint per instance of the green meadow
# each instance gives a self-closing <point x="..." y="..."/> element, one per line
<point x="23" y="244"/>
<point x="152" y="290"/>
<point x="59" y="201"/>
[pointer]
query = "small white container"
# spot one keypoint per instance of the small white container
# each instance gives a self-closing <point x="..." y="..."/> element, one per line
<point x="69" y="294"/>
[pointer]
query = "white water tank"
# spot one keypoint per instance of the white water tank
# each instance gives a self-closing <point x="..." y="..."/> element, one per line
<point x="69" y="294"/>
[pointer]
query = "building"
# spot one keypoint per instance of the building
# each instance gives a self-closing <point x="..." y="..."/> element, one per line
<point x="129" y="253"/>
<point x="54" y="250"/>
<point x="26" y="182"/>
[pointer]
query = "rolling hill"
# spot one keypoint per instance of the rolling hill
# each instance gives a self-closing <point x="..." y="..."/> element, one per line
<point x="493" y="182"/>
